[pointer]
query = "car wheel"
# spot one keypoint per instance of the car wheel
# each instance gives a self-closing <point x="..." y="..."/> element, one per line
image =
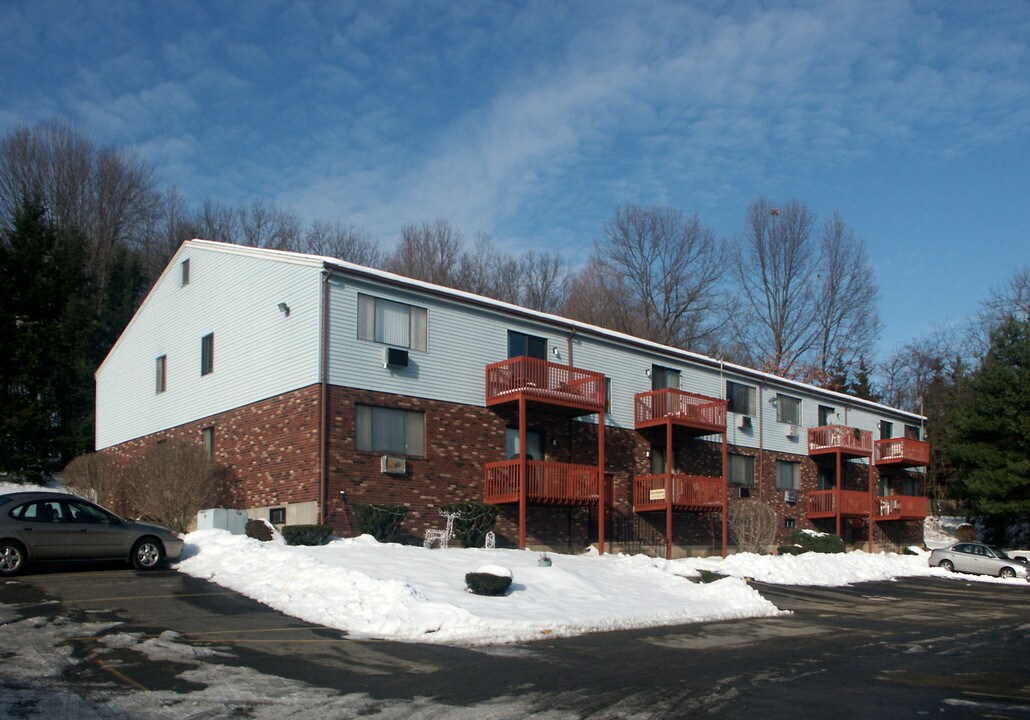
<point x="12" y="558"/>
<point x="1007" y="573"/>
<point x="146" y="554"/>
<point x="947" y="565"/>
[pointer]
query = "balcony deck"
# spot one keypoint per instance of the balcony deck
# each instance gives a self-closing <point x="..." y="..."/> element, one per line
<point x="698" y="413"/>
<point x="901" y="452"/>
<point x="901" y="507"/>
<point x="545" y="382"/>
<point x="848" y="441"/>
<point x="691" y="493"/>
<point x="822" y="504"/>
<point x="550" y="483"/>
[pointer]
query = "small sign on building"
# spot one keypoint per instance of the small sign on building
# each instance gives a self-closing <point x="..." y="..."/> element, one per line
<point x="657" y="494"/>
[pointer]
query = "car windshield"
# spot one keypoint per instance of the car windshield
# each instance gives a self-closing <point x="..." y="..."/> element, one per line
<point x="1000" y="553"/>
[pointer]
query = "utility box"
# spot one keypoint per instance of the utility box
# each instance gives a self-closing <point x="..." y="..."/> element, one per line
<point x="235" y="521"/>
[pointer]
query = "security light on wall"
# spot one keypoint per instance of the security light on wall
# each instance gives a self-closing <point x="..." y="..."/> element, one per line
<point x="648" y="372"/>
<point x="554" y="351"/>
<point x="284" y="309"/>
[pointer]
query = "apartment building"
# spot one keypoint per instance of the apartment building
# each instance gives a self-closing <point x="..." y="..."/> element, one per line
<point x="320" y="384"/>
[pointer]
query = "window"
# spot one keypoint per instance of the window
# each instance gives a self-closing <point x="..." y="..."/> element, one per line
<point x="663" y="377"/>
<point x="207" y="436"/>
<point x="788" y="475"/>
<point x="789" y="523"/>
<point x="520" y="344"/>
<point x="827" y="415"/>
<point x="742" y="470"/>
<point x="277" y="516"/>
<point x="385" y="430"/>
<point x="788" y="409"/>
<point x="912" y="432"/>
<point x="392" y="323"/>
<point x="886" y="430"/>
<point x="534" y="444"/>
<point x="827" y="478"/>
<point x="185" y="272"/>
<point x="740" y="398"/>
<point x="207" y="354"/>
<point x="910" y="486"/>
<point x="162" y="366"/>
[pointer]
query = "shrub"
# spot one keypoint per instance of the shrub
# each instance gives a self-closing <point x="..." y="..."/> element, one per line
<point x="259" y="530"/>
<point x="307" y="534"/>
<point x="707" y="576"/>
<point x="753" y="525"/>
<point x="96" y="476"/>
<point x="473" y="521"/>
<point x="802" y="542"/>
<point x="382" y="522"/>
<point x="481" y="583"/>
<point x="965" y="533"/>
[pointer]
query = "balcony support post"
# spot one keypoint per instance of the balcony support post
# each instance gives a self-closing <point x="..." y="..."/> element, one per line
<point x="523" y="472"/>
<point x="668" y="490"/>
<point x="602" y="486"/>
<point x="839" y="494"/>
<point x="872" y="498"/>
<point x="725" y="491"/>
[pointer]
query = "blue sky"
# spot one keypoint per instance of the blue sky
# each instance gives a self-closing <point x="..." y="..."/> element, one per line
<point x="531" y="121"/>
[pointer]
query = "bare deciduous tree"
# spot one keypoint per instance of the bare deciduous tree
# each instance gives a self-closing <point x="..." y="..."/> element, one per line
<point x="774" y="262"/>
<point x="1012" y="300"/>
<point x="344" y="242"/>
<point x="546" y="280"/>
<point x="753" y="525"/>
<point x="669" y="271"/>
<point x="431" y="251"/>
<point x="108" y="195"/>
<point x="172" y="482"/>
<point x="847" y="321"/>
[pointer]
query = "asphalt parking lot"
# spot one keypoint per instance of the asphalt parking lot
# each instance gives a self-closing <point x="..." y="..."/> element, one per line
<point x="949" y="648"/>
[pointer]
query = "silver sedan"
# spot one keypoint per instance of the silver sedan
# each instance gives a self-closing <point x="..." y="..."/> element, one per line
<point x="980" y="559"/>
<point x="49" y="526"/>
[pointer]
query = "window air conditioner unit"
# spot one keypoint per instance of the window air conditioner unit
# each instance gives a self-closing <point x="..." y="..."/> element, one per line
<point x="393" y="465"/>
<point x="395" y="357"/>
<point x="745" y="422"/>
<point x="790" y="496"/>
<point x="792" y="431"/>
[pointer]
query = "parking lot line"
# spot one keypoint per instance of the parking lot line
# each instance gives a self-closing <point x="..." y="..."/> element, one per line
<point x="115" y="598"/>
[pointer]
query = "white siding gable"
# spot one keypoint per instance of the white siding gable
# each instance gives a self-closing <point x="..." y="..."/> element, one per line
<point x="259" y="351"/>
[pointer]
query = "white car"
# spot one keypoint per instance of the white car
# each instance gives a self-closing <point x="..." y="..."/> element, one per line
<point x="980" y="559"/>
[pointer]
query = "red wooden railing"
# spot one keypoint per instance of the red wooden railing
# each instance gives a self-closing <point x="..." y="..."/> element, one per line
<point x="689" y="492"/>
<point x="685" y="408"/>
<point x="821" y="503"/>
<point x="901" y="507"/>
<point x="902" y="451"/>
<point x="544" y="380"/>
<point x="550" y="483"/>
<point x="831" y="438"/>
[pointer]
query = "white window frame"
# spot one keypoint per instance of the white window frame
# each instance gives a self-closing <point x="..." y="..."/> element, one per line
<point x="782" y="402"/>
<point x="750" y="403"/>
<point x="745" y="466"/>
<point x="389" y="431"/>
<point x="793" y="469"/>
<point x="393" y="323"/>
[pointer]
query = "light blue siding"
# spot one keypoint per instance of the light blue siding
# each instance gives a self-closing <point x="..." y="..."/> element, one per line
<point x="259" y="352"/>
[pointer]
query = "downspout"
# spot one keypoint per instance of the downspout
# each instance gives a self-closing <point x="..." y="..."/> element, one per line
<point x="323" y="434"/>
<point x="761" y="438"/>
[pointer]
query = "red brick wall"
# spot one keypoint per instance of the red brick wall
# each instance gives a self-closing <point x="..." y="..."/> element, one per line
<point x="271" y="449"/>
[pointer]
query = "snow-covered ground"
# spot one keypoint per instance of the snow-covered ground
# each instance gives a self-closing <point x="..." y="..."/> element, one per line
<point x="399" y="592"/>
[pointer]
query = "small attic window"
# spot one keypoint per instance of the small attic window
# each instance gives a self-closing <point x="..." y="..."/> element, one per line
<point x="185" y="272"/>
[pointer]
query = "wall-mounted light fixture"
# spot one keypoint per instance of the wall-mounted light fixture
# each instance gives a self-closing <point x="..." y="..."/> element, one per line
<point x="284" y="309"/>
<point x="648" y="372"/>
<point x="554" y="351"/>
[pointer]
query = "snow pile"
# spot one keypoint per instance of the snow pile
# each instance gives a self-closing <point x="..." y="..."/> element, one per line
<point x="401" y="592"/>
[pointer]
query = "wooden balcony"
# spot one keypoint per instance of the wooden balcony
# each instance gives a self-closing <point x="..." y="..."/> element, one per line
<point x="901" y="507"/>
<point x="545" y="382"/>
<point x="550" y="483"/>
<point x="901" y="452"/>
<point x="848" y="441"/>
<point x="692" y="493"/>
<point x="704" y="415"/>
<point x="822" y="503"/>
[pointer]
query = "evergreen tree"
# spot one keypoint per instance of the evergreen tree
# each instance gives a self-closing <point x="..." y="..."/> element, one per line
<point x="990" y="439"/>
<point x="49" y="331"/>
